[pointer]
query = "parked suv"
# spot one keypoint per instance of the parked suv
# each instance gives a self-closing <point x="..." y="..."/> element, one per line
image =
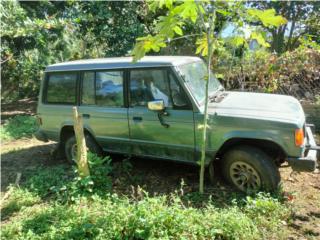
<point x="154" y="108"/>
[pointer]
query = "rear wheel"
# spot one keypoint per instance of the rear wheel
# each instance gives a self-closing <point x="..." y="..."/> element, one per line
<point x="250" y="169"/>
<point x="70" y="148"/>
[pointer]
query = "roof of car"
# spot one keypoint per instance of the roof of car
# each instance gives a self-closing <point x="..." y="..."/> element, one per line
<point x="121" y="62"/>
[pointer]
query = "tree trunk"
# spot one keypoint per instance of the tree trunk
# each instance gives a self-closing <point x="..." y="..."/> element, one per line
<point x="82" y="161"/>
<point x="277" y="43"/>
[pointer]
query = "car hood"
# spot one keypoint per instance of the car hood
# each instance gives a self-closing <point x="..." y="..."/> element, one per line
<point x="263" y="106"/>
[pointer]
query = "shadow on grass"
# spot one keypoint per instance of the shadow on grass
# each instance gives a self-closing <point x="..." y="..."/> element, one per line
<point x="7" y="211"/>
<point x="25" y="161"/>
<point x="41" y="174"/>
<point x="39" y="213"/>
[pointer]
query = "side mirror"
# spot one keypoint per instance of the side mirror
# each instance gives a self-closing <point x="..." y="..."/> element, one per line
<point x="157" y="105"/>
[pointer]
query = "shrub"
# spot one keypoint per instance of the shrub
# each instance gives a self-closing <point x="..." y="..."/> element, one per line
<point x="18" y="127"/>
<point x="159" y="217"/>
<point x="98" y="182"/>
<point x="294" y="73"/>
<point x="43" y="180"/>
<point x="86" y="209"/>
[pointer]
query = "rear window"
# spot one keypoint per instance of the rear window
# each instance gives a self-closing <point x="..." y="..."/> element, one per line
<point x="103" y="88"/>
<point x="61" y="88"/>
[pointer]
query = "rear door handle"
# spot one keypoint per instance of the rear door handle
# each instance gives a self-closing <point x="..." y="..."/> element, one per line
<point x="137" y="119"/>
<point x="86" y="115"/>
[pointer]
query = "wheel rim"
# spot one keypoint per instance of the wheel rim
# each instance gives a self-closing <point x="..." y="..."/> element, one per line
<point x="244" y="176"/>
<point x="74" y="152"/>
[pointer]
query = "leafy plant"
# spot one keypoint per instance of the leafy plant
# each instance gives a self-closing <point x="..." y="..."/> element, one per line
<point x="42" y="180"/>
<point x="18" y="127"/>
<point x="292" y="73"/>
<point x="35" y="35"/>
<point x="97" y="183"/>
<point x="18" y="199"/>
<point x="162" y="217"/>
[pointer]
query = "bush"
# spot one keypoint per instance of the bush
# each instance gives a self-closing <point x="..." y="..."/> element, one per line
<point x="86" y="209"/>
<point x="18" y="127"/>
<point x="43" y="180"/>
<point x="99" y="181"/>
<point x="294" y="73"/>
<point x="159" y="217"/>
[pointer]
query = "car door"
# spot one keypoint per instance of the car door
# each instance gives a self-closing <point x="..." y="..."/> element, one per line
<point x="103" y="108"/>
<point x="174" y="139"/>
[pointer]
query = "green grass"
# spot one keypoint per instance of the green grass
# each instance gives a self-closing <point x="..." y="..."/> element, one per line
<point x="163" y="217"/>
<point x="18" y="127"/>
<point x="36" y="210"/>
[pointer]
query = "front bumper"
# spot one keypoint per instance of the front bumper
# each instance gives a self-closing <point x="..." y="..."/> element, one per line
<point x="309" y="162"/>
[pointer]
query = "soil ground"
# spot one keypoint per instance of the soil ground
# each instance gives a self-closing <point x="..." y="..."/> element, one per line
<point x="158" y="177"/>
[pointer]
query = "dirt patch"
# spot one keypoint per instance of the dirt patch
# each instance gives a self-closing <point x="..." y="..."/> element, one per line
<point x="26" y="106"/>
<point x="305" y="191"/>
<point x="22" y="155"/>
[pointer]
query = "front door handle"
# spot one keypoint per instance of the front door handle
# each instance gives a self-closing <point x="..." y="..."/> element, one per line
<point x="137" y="119"/>
<point x="86" y="115"/>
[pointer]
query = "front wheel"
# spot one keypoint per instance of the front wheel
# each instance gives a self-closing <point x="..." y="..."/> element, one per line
<point x="70" y="148"/>
<point x="250" y="169"/>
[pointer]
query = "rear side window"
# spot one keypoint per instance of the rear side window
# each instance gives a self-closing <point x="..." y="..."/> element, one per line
<point x="103" y="88"/>
<point x="61" y="88"/>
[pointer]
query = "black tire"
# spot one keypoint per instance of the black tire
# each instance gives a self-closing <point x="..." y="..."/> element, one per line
<point x="71" y="141"/>
<point x="212" y="172"/>
<point x="245" y="167"/>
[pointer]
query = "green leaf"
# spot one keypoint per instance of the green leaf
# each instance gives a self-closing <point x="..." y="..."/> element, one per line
<point x="169" y="25"/>
<point x="188" y="10"/>
<point x="147" y="44"/>
<point x="154" y="5"/>
<point x="237" y="41"/>
<point x="260" y="39"/>
<point x="202" y="46"/>
<point x="268" y="17"/>
<point x="178" y="30"/>
<point x="223" y="12"/>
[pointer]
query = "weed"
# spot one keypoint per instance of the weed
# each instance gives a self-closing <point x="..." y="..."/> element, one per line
<point x="161" y="217"/>
<point x="18" y="127"/>
<point x="43" y="180"/>
<point x="98" y="182"/>
<point x="86" y="209"/>
<point x="18" y="199"/>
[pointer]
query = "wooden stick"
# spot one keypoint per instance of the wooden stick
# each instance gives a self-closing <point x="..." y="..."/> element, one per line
<point x="81" y="145"/>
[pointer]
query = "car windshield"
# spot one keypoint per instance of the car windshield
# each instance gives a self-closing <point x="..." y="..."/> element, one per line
<point x="194" y="75"/>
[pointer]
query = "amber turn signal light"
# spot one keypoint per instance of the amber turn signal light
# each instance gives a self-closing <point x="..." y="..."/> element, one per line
<point x="299" y="137"/>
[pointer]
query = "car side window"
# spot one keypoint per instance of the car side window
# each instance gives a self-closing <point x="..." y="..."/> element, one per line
<point x="61" y="88"/>
<point x="148" y="85"/>
<point x="103" y="88"/>
<point x="88" y="88"/>
<point x="179" y="98"/>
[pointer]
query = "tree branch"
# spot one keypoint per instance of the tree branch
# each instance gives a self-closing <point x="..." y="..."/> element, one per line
<point x="186" y="36"/>
<point x="8" y="58"/>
